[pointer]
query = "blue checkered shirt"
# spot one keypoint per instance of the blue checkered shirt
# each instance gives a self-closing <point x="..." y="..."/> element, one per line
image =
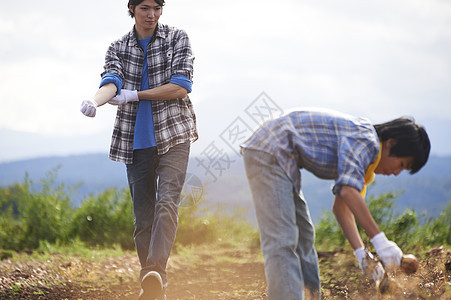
<point x="169" y="53"/>
<point x="329" y="144"/>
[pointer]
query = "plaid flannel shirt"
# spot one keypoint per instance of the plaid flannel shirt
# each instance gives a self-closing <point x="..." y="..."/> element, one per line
<point x="169" y="53"/>
<point x="329" y="144"/>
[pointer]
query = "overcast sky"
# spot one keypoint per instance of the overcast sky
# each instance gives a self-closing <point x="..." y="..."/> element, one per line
<point x="379" y="59"/>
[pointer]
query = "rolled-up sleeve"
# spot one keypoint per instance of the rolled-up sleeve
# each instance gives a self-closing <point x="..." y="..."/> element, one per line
<point x="112" y="78"/>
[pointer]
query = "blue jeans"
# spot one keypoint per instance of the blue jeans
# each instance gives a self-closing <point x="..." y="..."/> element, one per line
<point x="286" y="230"/>
<point x="156" y="182"/>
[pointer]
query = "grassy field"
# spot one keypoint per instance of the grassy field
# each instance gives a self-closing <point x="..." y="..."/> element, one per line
<point x="60" y="252"/>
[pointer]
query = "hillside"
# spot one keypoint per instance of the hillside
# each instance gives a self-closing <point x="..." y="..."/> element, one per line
<point x="225" y="181"/>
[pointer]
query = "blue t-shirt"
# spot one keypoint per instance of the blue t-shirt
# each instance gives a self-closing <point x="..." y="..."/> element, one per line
<point x="144" y="130"/>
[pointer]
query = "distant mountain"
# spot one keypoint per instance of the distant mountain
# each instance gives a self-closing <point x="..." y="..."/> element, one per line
<point x="19" y="145"/>
<point x="225" y="181"/>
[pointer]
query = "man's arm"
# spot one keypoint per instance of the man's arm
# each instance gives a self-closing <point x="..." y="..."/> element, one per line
<point x="348" y="206"/>
<point x="105" y="94"/>
<point x="165" y="92"/>
<point x="168" y="91"/>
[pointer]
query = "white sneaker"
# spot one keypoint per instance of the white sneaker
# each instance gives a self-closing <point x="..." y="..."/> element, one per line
<point x="152" y="287"/>
<point x="141" y="296"/>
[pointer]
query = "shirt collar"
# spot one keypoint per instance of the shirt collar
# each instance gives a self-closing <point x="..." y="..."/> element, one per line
<point x="159" y="32"/>
<point x="369" y="173"/>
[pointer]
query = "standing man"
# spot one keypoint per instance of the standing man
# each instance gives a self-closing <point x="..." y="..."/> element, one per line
<point x="331" y="145"/>
<point x="148" y="74"/>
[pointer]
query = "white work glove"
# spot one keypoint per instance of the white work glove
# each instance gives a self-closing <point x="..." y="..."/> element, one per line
<point x="369" y="265"/>
<point x="124" y="97"/>
<point x="88" y="108"/>
<point x="389" y="253"/>
<point x="360" y="254"/>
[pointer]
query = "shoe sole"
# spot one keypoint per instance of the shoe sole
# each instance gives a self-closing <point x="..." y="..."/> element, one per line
<point x="152" y="286"/>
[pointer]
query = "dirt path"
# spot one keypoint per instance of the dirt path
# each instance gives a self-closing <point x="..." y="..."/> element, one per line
<point x="209" y="274"/>
<point x="222" y="274"/>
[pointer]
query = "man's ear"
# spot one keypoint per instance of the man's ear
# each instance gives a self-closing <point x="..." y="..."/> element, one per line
<point x="131" y="8"/>
<point x="388" y="144"/>
<point x="391" y="142"/>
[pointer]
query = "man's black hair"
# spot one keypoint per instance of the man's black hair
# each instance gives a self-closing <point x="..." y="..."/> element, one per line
<point x="411" y="140"/>
<point x="134" y="3"/>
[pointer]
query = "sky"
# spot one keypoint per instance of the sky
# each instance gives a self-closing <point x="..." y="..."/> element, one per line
<point x="377" y="59"/>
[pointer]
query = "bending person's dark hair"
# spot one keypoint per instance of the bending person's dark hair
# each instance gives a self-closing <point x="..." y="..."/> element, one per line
<point x="411" y="140"/>
<point x="138" y="2"/>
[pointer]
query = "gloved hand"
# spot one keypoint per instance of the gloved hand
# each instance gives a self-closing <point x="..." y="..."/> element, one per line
<point x="88" y="108"/>
<point x="369" y="265"/>
<point x="360" y="254"/>
<point x="388" y="251"/>
<point x="124" y="97"/>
